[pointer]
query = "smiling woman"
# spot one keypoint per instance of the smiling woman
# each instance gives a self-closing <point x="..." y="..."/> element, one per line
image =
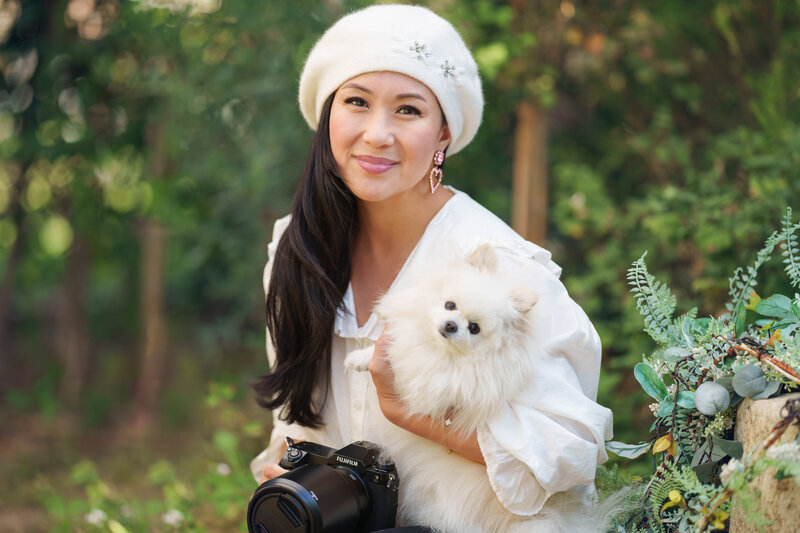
<point x="389" y="90"/>
<point x="385" y="128"/>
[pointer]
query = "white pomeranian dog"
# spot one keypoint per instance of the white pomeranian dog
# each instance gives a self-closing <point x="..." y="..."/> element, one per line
<point x="459" y="352"/>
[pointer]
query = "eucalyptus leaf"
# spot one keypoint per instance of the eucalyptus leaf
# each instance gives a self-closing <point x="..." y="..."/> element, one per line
<point x="749" y="380"/>
<point x="771" y="388"/>
<point x="705" y="471"/>
<point x="725" y="381"/>
<point x="777" y="305"/>
<point x="676" y="353"/>
<point x="733" y="448"/>
<point x="629" y="451"/>
<point x="650" y="381"/>
<point x="711" y="398"/>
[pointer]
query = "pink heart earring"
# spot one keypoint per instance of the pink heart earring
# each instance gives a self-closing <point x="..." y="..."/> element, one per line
<point x="435" y="177"/>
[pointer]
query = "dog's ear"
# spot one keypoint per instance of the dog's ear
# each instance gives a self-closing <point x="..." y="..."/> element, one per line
<point x="523" y="300"/>
<point x="483" y="258"/>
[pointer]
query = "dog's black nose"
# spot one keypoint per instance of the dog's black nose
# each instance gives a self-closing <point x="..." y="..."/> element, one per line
<point x="448" y="328"/>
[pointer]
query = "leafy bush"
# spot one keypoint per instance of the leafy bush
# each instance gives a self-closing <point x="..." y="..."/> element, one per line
<point x="751" y="351"/>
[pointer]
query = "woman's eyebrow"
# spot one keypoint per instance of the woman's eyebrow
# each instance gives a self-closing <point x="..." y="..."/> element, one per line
<point x="402" y="96"/>
<point x="411" y="95"/>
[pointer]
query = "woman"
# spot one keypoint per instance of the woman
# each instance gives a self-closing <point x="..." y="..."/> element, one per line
<point x="390" y="89"/>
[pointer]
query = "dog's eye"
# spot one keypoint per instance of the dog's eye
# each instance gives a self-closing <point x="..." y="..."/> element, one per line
<point x="474" y="328"/>
<point x="450" y="306"/>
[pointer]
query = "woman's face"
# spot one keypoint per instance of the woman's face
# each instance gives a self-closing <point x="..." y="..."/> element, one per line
<point x="384" y="129"/>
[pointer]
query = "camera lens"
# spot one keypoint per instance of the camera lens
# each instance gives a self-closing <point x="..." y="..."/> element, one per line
<point x="311" y="498"/>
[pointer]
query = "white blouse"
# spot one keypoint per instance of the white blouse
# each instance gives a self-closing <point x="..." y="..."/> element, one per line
<point x="550" y="438"/>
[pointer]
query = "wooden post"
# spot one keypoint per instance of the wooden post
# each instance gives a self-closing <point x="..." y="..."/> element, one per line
<point x="530" y="192"/>
<point x="778" y="497"/>
<point x="152" y="316"/>
<point x="152" y="310"/>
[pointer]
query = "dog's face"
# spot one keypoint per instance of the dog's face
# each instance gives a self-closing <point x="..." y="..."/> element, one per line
<point x="475" y="310"/>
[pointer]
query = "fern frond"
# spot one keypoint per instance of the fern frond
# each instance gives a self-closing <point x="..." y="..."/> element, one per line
<point x="791" y="250"/>
<point x="655" y="303"/>
<point x="743" y="281"/>
<point x="660" y="488"/>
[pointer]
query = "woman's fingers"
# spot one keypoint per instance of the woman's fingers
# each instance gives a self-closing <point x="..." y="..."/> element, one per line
<point x="270" y="472"/>
<point x="379" y="366"/>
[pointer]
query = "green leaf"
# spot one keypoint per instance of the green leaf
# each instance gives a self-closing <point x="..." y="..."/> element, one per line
<point x="675" y="353"/>
<point x="650" y="381"/>
<point x="629" y="451"/>
<point x="740" y="315"/>
<point x="771" y="388"/>
<point x="776" y="305"/>
<point x="725" y="447"/>
<point x="686" y="399"/>
<point x="749" y="380"/>
<point x="665" y="408"/>
<point x="698" y="455"/>
<point x="704" y="471"/>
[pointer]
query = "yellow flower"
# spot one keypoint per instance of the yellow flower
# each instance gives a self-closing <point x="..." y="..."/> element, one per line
<point x="675" y="498"/>
<point x="718" y="522"/>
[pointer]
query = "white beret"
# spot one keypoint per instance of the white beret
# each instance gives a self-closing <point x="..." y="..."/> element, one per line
<point x="411" y="40"/>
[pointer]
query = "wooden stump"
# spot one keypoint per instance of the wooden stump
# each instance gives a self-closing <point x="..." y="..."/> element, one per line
<point x="780" y="499"/>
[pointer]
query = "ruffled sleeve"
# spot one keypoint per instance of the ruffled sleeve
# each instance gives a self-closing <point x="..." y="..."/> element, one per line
<point x="280" y="429"/>
<point x="551" y="437"/>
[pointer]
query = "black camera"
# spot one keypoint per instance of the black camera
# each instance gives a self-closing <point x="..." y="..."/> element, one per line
<point x="350" y="490"/>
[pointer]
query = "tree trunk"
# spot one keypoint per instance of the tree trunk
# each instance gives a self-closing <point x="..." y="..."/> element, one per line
<point x="152" y="317"/>
<point x="6" y="302"/>
<point x="529" y="207"/>
<point x="71" y="331"/>
<point x="152" y="309"/>
<point x="7" y="286"/>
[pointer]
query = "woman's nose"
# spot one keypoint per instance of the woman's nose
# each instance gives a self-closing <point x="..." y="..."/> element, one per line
<point x="378" y="130"/>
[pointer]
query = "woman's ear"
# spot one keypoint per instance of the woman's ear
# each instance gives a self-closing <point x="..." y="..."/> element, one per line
<point x="444" y="137"/>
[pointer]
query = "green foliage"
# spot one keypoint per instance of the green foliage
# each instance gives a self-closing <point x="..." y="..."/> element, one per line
<point x="713" y="363"/>
<point x="654" y="301"/>
<point x="210" y="500"/>
<point x="791" y="252"/>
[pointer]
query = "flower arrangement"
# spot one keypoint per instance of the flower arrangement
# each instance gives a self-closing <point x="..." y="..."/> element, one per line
<point x="711" y="364"/>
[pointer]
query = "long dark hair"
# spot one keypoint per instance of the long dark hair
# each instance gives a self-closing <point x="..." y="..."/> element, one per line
<point x="310" y="273"/>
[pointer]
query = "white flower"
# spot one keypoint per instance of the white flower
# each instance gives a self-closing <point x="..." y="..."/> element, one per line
<point x="730" y="468"/>
<point x="223" y="469"/>
<point x="96" y="517"/>
<point x="173" y="517"/>
<point x="789" y="451"/>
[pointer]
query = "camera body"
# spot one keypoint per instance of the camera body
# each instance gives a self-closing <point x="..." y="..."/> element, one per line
<point x="349" y="490"/>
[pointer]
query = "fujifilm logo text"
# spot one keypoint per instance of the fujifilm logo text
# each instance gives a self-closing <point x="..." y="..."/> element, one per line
<point x="346" y="461"/>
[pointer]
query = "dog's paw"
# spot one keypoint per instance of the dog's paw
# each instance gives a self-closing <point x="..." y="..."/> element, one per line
<point x="359" y="359"/>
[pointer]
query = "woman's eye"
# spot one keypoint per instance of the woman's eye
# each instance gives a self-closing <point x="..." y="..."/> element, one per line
<point x="356" y="101"/>
<point x="450" y="306"/>
<point x="474" y="328"/>
<point x="408" y="110"/>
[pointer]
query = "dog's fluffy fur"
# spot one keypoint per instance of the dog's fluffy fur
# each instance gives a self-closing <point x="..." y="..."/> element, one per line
<point x="443" y="369"/>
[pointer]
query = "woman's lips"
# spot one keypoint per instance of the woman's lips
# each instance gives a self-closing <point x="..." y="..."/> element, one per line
<point x="375" y="165"/>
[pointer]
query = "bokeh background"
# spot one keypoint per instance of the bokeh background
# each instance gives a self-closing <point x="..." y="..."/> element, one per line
<point x="146" y="147"/>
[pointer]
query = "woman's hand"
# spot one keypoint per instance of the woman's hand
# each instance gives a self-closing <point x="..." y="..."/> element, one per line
<point x="270" y="472"/>
<point x="383" y="378"/>
<point x="397" y="413"/>
<point x="274" y="470"/>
